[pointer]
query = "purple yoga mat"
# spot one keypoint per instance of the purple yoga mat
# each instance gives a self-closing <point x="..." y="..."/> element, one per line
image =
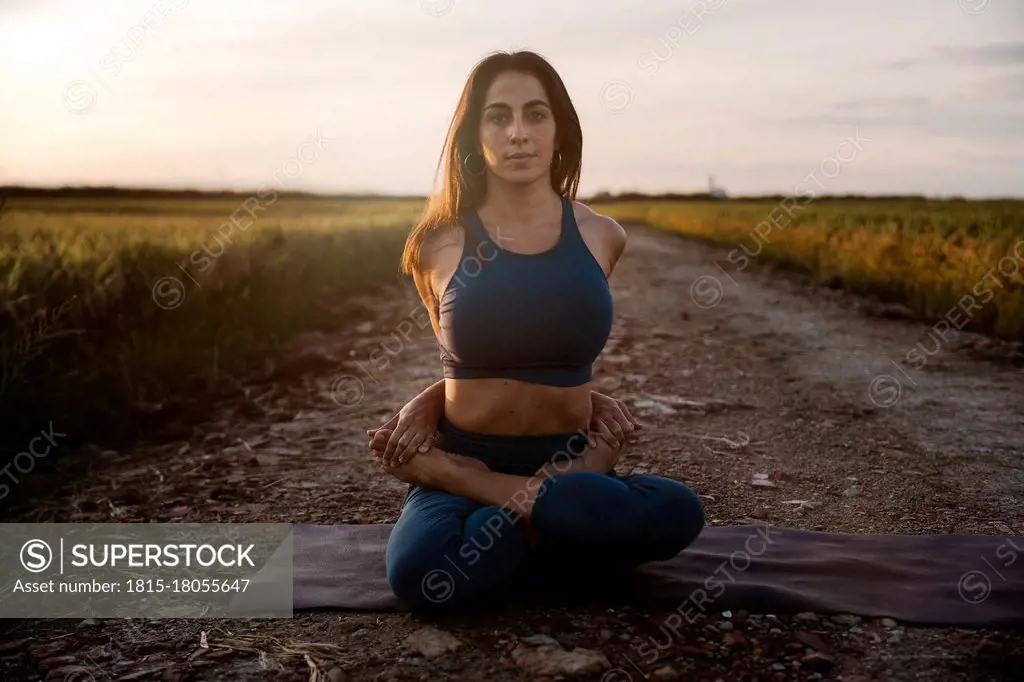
<point x="945" y="580"/>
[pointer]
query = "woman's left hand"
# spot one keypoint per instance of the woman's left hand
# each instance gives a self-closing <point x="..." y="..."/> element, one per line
<point x="412" y="430"/>
<point x="611" y="418"/>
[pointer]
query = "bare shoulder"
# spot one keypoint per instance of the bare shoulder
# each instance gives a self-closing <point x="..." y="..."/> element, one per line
<point x="603" y="234"/>
<point x="592" y="221"/>
<point x="438" y="244"/>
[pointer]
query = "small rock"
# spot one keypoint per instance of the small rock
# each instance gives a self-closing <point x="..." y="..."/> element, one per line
<point x="888" y="623"/>
<point x="364" y="327"/>
<point x="806" y="617"/>
<point x="337" y="675"/>
<point x="616" y="359"/>
<point x="608" y="383"/>
<point x="88" y="622"/>
<point x="607" y="634"/>
<point x="666" y="672"/>
<point x="653" y="407"/>
<point x="215" y="438"/>
<point x="811" y="640"/>
<point x="431" y="642"/>
<point x="852" y="491"/>
<point x="817" y="661"/>
<point x="725" y="626"/>
<point x="540" y="640"/>
<point x="774" y="631"/>
<point x="552" y="660"/>
<point x="845" y="618"/>
<point x="726" y="614"/>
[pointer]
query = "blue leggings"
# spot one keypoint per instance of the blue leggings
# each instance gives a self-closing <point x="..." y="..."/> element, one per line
<point x="447" y="551"/>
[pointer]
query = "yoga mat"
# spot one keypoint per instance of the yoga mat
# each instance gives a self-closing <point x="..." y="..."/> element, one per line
<point x="944" y="580"/>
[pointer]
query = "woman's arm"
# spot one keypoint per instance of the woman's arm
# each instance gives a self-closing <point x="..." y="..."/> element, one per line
<point x="412" y="429"/>
<point x="611" y="426"/>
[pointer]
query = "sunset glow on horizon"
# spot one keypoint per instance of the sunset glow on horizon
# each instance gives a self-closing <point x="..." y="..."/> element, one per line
<point x="179" y="93"/>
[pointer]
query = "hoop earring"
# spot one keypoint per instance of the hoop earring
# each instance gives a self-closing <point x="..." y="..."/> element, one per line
<point x="557" y="163"/>
<point x="465" y="163"/>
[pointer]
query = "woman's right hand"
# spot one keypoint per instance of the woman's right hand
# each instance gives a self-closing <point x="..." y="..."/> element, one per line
<point x="412" y="430"/>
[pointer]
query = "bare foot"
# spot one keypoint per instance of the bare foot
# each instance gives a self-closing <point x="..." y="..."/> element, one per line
<point x="432" y="468"/>
<point x="602" y="457"/>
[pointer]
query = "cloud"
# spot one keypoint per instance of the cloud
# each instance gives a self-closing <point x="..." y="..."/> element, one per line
<point x="926" y="123"/>
<point x="1003" y="88"/>
<point x="997" y="54"/>
<point x="884" y="105"/>
<point x="901" y="64"/>
<point x="1010" y="54"/>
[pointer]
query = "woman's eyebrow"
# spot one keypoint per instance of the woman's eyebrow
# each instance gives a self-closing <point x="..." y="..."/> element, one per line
<point x="503" y="105"/>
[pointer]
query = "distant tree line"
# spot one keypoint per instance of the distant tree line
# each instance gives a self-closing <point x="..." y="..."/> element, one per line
<point x="107" y="191"/>
<point x="607" y="197"/>
<point x="112" y="192"/>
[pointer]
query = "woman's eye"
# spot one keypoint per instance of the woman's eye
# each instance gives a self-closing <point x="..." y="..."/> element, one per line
<point x="538" y="116"/>
<point x="497" y="118"/>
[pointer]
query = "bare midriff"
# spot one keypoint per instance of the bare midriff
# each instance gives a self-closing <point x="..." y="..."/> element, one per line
<point x="519" y="408"/>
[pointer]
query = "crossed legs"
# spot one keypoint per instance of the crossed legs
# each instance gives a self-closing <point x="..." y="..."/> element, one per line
<point x="451" y="546"/>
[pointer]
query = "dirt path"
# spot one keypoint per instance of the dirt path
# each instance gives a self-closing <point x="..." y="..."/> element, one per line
<point x="781" y="379"/>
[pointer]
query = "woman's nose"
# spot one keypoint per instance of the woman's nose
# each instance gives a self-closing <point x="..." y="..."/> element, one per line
<point x="517" y="131"/>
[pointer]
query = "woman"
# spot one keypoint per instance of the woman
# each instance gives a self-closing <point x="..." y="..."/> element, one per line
<point x="514" y="274"/>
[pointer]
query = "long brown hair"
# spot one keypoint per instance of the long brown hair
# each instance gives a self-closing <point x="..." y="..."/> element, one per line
<point x="461" y="191"/>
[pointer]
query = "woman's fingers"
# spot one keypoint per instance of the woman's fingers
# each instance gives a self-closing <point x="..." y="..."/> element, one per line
<point x="379" y="440"/>
<point x="431" y="439"/>
<point x="619" y="426"/>
<point x="415" y="445"/>
<point x="625" y="410"/>
<point x="604" y="432"/>
<point x="395" y="443"/>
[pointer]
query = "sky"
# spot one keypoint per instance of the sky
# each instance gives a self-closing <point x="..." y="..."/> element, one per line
<point x="863" y="96"/>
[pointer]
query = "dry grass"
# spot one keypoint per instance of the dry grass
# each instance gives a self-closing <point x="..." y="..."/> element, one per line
<point x="94" y="333"/>
<point x="91" y="326"/>
<point x="928" y="255"/>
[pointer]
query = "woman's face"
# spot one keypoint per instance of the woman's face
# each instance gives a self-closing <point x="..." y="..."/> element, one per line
<point x="517" y="128"/>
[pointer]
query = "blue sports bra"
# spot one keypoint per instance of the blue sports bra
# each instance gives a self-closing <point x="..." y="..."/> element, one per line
<point x="542" y="318"/>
